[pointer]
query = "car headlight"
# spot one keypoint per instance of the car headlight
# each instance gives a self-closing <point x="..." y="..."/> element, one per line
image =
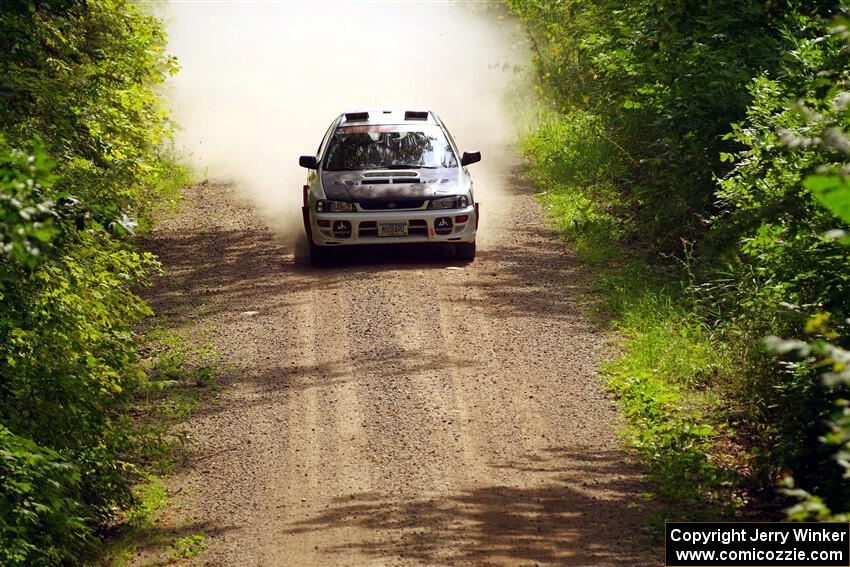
<point x="328" y="206"/>
<point x="455" y="202"/>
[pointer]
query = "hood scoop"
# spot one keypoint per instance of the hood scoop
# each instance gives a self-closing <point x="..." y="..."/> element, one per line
<point x="390" y="176"/>
<point x="392" y="184"/>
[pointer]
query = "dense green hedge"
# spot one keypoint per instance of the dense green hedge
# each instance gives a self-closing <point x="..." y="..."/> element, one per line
<point x="706" y="136"/>
<point x="82" y="134"/>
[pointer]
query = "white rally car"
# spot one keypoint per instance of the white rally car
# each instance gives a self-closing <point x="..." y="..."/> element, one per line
<point x="389" y="176"/>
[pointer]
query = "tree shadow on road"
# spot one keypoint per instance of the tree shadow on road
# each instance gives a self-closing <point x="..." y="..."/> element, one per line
<point x="520" y="272"/>
<point x="573" y="517"/>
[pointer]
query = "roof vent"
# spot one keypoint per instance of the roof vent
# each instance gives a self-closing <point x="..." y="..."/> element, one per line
<point x="416" y="115"/>
<point x="354" y="116"/>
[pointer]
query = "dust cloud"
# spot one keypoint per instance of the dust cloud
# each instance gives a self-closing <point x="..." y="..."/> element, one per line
<point x="260" y="82"/>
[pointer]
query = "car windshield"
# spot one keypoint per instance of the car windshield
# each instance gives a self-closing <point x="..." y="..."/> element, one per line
<point x="388" y="147"/>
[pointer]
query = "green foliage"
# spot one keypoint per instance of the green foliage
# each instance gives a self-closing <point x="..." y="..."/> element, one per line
<point x="187" y="547"/>
<point x="150" y="498"/>
<point x="665" y="380"/>
<point x="162" y="191"/>
<point x="572" y="166"/>
<point x="664" y="79"/>
<point x="836" y="360"/>
<point x="706" y="140"/>
<point x="41" y="519"/>
<point x="26" y="214"/>
<point x="80" y="78"/>
<point x="676" y="443"/>
<point x="666" y="342"/>
<point x="83" y="151"/>
<point x="667" y="353"/>
<point x="772" y="231"/>
<point x="774" y="246"/>
<point x="139" y="526"/>
<point x="833" y="192"/>
<point x="179" y="375"/>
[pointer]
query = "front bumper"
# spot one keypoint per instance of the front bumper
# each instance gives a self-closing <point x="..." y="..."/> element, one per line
<point x="422" y="226"/>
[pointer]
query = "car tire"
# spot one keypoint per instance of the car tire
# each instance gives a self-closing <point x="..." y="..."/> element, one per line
<point x="319" y="255"/>
<point x="465" y="251"/>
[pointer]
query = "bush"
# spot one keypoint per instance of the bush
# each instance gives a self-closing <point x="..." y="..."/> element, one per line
<point x="771" y="242"/>
<point x="83" y="153"/>
<point x="703" y="141"/>
<point x="42" y="521"/>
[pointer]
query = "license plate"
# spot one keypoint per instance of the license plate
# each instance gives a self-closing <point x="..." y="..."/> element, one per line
<point x="392" y="229"/>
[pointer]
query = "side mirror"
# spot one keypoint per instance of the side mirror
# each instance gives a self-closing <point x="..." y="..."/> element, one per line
<point x="470" y="157"/>
<point x="310" y="162"/>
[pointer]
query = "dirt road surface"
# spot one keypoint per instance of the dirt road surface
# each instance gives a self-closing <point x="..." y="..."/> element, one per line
<point x="397" y="408"/>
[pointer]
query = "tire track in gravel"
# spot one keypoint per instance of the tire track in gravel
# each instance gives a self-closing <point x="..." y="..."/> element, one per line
<point x="396" y="408"/>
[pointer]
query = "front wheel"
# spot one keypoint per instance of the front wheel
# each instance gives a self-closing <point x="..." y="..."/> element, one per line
<point x="465" y="251"/>
<point x="319" y="255"/>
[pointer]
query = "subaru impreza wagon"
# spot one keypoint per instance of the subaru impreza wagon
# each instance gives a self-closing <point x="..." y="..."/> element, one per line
<point x="389" y="176"/>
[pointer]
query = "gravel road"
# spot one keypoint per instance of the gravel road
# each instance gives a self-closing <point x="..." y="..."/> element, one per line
<point x="396" y="408"/>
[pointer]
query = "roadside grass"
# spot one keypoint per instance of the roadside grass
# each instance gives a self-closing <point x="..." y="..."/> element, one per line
<point x="569" y="162"/>
<point x="164" y="191"/>
<point x="137" y="527"/>
<point x="181" y="375"/>
<point x="187" y="547"/>
<point x="668" y="378"/>
<point x="670" y="370"/>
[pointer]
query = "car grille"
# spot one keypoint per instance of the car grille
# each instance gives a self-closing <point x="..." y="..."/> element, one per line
<point x="391" y="204"/>
<point x="367" y="228"/>
<point x="417" y="226"/>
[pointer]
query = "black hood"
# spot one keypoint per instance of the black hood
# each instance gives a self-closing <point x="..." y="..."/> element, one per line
<point x="393" y="184"/>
